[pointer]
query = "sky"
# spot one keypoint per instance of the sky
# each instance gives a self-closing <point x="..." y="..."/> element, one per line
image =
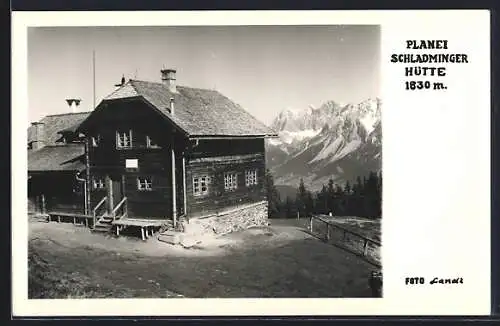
<point x="266" y="69"/>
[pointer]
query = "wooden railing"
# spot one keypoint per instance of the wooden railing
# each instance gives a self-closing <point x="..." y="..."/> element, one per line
<point x="122" y="203"/>
<point x="351" y="240"/>
<point x="94" y="211"/>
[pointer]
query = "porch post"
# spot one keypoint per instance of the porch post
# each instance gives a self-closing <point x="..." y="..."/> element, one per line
<point x="44" y="209"/>
<point x="109" y="187"/>
<point x="174" y="188"/>
<point x="87" y="175"/>
<point x="184" y="183"/>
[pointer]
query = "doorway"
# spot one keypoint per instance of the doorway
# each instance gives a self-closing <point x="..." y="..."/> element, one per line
<point x="114" y="189"/>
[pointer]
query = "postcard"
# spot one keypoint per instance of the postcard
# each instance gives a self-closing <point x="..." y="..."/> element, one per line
<point x="255" y="163"/>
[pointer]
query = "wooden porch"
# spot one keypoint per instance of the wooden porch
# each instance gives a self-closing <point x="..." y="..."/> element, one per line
<point x="109" y="215"/>
<point x="114" y="221"/>
<point x="75" y="218"/>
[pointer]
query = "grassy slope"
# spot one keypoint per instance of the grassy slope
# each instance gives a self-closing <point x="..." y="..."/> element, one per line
<point x="283" y="261"/>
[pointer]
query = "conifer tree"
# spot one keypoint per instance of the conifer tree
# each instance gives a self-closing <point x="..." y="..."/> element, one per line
<point x="289" y="208"/>
<point x="322" y="201"/>
<point x="301" y="199"/>
<point x="331" y="193"/>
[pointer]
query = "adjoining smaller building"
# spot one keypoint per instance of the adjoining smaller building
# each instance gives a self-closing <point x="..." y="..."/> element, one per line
<point x="56" y="164"/>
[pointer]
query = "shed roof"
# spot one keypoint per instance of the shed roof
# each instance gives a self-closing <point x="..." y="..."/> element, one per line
<point x="69" y="157"/>
<point x="199" y="112"/>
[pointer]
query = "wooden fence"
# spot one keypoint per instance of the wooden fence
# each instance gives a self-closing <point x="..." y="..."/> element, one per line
<point x="353" y="241"/>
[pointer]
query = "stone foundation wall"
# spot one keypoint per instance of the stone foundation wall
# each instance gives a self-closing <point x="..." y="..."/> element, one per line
<point x="235" y="219"/>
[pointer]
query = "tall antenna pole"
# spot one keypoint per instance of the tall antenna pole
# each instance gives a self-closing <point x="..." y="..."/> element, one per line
<point x="93" y="76"/>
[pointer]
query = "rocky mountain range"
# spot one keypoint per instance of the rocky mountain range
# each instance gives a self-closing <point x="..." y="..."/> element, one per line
<point x="333" y="141"/>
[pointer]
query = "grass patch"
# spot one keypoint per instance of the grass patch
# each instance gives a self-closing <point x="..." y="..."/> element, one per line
<point x="46" y="281"/>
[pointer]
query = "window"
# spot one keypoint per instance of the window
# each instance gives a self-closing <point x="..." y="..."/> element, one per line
<point x="151" y="143"/>
<point x="201" y="185"/>
<point x="97" y="183"/>
<point x="230" y="181"/>
<point x="124" y="139"/>
<point x="96" y="140"/>
<point x="250" y="177"/>
<point x="144" y="183"/>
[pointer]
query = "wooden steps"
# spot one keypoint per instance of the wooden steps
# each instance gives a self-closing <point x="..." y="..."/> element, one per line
<point x="103" y="224"/>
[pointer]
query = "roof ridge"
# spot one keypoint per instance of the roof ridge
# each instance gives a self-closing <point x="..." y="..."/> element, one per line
<point x="181" y="86"/>
<point x="67" y="113"/>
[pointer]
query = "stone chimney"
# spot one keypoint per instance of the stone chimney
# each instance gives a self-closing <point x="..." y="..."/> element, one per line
<point x="38" y="140"/>
<point x="168" y="78"/>
<point x="73" y="104"/>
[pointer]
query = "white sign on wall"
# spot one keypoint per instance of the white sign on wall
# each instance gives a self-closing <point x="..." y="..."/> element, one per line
<point x="131" y="163"/>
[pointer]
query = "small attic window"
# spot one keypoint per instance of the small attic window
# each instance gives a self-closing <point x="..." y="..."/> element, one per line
<point x="124" y="139"/>
<point x="151" y="143"/>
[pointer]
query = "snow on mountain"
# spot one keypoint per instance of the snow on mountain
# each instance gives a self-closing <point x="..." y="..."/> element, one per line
<point x="289" y="137"/>
<point x="334" y="140"/>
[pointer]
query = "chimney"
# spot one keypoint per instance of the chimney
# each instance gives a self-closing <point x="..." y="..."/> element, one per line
<point x="172" y="108"/>
<point x="168" y="78"/>
<point x="38" y="140"/>
<point x="73" y="104"/>
<point x="122" y="82"/>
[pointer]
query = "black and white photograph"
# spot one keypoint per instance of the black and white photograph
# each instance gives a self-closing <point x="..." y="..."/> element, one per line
<point x="251" y="163"/>
<point x="204" y="162"/>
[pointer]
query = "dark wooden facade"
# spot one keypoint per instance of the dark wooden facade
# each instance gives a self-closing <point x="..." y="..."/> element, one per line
<point x="193" y="158"/>
<point x="55" y="191"/>
<point x="106" y="160"/>
<point x="217" y="157"/>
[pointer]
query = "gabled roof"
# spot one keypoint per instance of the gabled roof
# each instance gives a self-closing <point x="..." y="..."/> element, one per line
<point x="56" y="123"/>
<point x="69" y="157"/>
<point x="199" y="112"/>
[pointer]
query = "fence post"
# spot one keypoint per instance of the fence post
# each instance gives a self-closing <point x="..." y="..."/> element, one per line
<point x="365" y="247"/>
<point x="327" y="231"/>
<point x="311" y="224"/>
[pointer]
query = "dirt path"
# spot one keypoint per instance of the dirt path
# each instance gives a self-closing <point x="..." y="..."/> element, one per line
<point x="278" y="261"/>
